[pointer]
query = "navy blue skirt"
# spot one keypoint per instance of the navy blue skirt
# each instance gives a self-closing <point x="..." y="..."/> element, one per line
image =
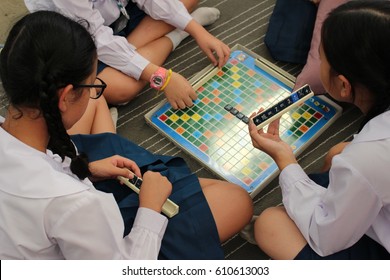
<point x="365" y="249"/>
<point x="191" y="234"/>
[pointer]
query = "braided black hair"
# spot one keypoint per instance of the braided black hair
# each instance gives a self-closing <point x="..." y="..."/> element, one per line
<point x="44" y="51"/>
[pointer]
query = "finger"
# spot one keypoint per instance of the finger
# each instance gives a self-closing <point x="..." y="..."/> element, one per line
<point x="210" y="55"/>
<point x="221" y="57"/>
<point x="181" y="104"/>
<point x="129" y="164"/>
<point x="273" y="127"/>
<point x="260" y="110"/>
<point x="226" y="50"/>
<point x="188" y="102"/>
<point x="134" y="169"/>
<point x="173" y="104"/>
<point x="224" y="55"/>
<point x="193" y="95"/>
<point x="253" y="131"/>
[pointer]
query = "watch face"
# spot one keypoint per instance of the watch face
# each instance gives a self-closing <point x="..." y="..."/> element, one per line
<point x="158" y="81"/>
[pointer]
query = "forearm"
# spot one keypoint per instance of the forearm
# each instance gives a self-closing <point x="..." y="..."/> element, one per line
<point x="195" y="29"/>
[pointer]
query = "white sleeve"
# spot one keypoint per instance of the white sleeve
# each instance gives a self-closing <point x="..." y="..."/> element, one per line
<point x="92" y="228"/>
<point x="330" y="219"/>
<point x="171" y="11"/>
<point x="113" y="50"/>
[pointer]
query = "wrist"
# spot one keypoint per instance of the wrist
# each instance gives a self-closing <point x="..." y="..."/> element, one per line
<point x="160" y="78"/>
<point x="284" y="159"/>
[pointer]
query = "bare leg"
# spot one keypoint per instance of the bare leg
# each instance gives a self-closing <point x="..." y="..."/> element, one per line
<point x="335" y="150"/>
<point x="122" y="88"/>
<point x="96" y="119"/>
<point x="277" y="235"/>
<point x="149" y="40"/>
<point x="150" y="29"/>
<point x="230" y="204"/>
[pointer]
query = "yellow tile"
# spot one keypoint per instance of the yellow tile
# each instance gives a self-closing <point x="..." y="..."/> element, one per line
<point x="246" y="171"/>
<point x="236" y="76"/>
<point x="306" y="115"/>
<point x="234" y="69"/>
<point x="185" y="117"/>
<point x="295" y="115"/>
<point x="174" y="117"/>
<point x="196" y="117"/>
<point x="236" y="84"/>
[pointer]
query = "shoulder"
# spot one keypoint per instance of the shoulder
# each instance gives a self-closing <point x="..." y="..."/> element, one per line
<point x="29" y="173"/>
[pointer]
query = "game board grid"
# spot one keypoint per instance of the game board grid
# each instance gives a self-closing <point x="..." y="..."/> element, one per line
<point x="206" y="125"/>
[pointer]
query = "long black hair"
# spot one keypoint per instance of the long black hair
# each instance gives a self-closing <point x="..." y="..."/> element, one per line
<point x="356" y="42"/>
<point x="44" y="51"/>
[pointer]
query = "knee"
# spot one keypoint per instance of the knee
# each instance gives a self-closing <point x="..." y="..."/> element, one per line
<point x="264" y="227"/>
<point x="245" y="203"/>
<point x="191" y="5"/>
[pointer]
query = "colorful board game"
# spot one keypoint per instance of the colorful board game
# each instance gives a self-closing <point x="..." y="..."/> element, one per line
<point x="215" y="131"/>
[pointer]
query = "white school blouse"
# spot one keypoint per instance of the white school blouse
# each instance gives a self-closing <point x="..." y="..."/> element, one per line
<point x="115" y="51"/>
<point x="46" y="212"/>
<point x="357" y="200"/>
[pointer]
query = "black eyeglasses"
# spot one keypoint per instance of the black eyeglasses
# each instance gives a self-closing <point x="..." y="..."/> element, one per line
<point x="99" y="87"/>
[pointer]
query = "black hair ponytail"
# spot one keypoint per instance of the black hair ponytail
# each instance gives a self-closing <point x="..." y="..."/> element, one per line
<point x="366" y="61"/>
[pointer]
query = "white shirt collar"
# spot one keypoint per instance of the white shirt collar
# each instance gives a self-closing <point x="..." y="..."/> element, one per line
<point x="27" y="172"/>
<point x="377" y="128"/>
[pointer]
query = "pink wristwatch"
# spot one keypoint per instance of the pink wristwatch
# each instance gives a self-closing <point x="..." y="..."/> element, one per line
<point x="157" y="80"/>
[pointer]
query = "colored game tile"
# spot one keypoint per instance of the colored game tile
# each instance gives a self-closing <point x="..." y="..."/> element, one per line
<point x="318" y="115"/>
<point x="163" y="117"/>
<point x="247" y="181"/>
<point x="205" y="100"/>
<point x="185" y="117"/>
<point x="216" y="92"/>
<point x="203" y="147"/>
<point x="250" y="73"/>
<point x="303" y="128"/>
<point x="208" y="134"/>
<point x="236" y="84"/>
<point x="234" y="61"/>
<point x="217" y="100"/>
<point x="180" y="130"/>
<point x="200" y="89"/>
<point x="196" y="117"/>
<point x="263" y="165"/>
<point x="228" y="116"/>
<point x="236" y="76"/>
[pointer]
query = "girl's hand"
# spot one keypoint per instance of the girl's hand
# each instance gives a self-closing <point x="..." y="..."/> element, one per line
<point x="112" y="167"/>
<point x="179" y="92"/>
<point x="270" y="143"/>
<point x="210" y="45"/>
<point x="214" y="48"/>
<point x="154" y="191"/>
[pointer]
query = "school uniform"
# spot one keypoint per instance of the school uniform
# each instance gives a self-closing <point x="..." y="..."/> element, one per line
<point x="350" y="218"/>
<point x="46" y="212"/>
<point x="116" y="51"/>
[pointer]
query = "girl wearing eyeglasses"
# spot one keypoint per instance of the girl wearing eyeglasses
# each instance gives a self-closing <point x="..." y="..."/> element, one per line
<point x="59" y="197"/>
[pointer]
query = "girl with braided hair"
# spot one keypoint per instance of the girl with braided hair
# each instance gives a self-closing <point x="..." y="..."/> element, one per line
<point x="49" y="207"/>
